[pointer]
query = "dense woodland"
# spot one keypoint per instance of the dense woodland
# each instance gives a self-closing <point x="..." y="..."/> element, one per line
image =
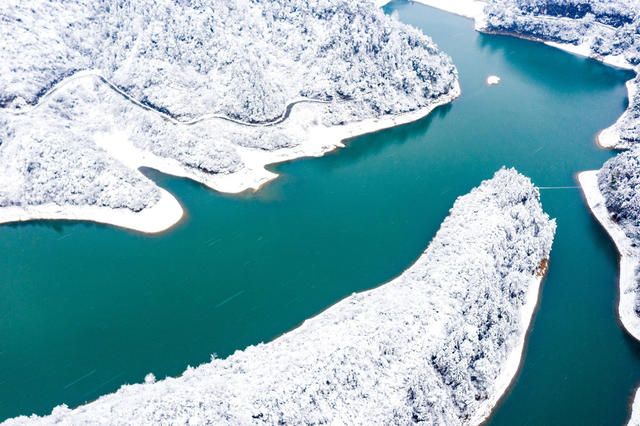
<point x="245" y="60"/>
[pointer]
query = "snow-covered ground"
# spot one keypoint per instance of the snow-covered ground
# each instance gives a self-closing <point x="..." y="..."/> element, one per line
<point x="89" y="92"/>
<point x="165" y="213"/>
<point x="440" y="343"/>
<point x="634" y="420"/>
<point x="492" y="80"/>
<point x="628" y="303"/>
<point x="629" y="255"/>
<point x="603" y="30"/>
<point x="608" y="31"/>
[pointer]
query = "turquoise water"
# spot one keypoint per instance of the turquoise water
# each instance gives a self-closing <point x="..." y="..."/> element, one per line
<point x="86" y="308"/>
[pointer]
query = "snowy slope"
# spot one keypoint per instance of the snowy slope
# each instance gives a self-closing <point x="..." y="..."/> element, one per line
<point x="211" y="90"/>
<point x="634" y="420"/>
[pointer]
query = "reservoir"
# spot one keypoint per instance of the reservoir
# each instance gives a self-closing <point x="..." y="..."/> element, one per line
<point x="86" y="308"/>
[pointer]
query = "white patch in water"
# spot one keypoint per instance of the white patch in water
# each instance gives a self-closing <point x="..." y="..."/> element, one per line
<point x="493" y="80"/>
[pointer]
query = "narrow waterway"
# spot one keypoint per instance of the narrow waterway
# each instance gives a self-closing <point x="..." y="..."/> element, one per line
<point x="85" y="308"/>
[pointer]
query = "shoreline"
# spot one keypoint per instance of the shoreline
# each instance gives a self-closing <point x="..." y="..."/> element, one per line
<point x="634" y="407"/>
<point x="168" y="212"/>
<point x="515" y="360"/>
<point x="472" y="9"/>
<point x="320" y="141"/>
<point x="610" y="138"/>
<point x="629" y="256"/>
<point x="584" y="51"/>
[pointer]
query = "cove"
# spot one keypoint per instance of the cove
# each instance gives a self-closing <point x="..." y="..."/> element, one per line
<point x="85" y="308"/>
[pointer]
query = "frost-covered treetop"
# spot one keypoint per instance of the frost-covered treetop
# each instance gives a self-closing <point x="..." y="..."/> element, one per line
<point x="245" y="59"/>
<point x="612" y="12"/>
<point x="606" y="27"/>
<point x="428" y="346"/>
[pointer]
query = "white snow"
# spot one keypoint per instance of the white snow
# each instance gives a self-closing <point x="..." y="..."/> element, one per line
<point x="439" y="344"/>
<point x="92" y="91"/>
<point x="608" y="138"/>
<point x="584" y="50"/>
<point x="612" y="137"/>
<point x="629" y="255"/>
<point x="467" y="8"/>
<point x="634" y="419"/>
<point x="492" y="80"/>
<point x="165" y="213"/>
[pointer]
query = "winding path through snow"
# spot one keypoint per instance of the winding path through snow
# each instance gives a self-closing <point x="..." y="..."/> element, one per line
<point x="101" y="78"/>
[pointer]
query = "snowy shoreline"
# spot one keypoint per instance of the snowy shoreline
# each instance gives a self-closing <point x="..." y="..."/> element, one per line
<point x="164" y="214"/>
<point x="167" y="212"/>
<point x="610" y="137"/>
<point x="400" y="351"/>
<point x="466" y="8"/>
<point x="629" y="261"/>
<point x="634" y="405"/>
<point x="629" y="256"/>
<point x="516" y="358"/>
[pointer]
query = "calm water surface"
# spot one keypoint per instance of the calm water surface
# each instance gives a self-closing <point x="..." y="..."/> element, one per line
<point x="86" y="308"/>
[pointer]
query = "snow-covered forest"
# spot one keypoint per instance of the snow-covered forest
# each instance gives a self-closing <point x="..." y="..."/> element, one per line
<point x="607" y="27"/>
<point x="619" y="183"/>
<point x="438" y="344"/>
<point x="138" y="70"/>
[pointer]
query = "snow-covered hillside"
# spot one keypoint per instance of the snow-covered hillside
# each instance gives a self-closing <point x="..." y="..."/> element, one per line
<point x="440" y="343"/>
<point x="211" y="90"/>
<point x="609" y="31"/>
<point x="614" y="197"/>
<point x="606" y="30"/>
<point x="634" y="420"/>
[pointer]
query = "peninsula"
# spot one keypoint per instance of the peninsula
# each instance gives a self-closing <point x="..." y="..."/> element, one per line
<point x="440" y="343"/>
